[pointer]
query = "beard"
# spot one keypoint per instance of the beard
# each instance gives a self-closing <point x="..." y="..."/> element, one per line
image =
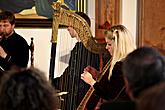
<point x="1" y="36"/>
<point x="4" y="35"/>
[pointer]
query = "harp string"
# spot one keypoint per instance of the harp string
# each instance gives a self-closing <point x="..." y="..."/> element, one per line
<point x="64" y="45"/>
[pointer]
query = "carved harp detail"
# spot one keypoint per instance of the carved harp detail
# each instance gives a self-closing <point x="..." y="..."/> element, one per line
<point x="69" y="18"/>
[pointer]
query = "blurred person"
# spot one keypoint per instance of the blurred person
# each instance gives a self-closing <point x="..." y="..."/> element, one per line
<point x="27" y="89"/>
<point x="152" y="98"/>
<point x="143" y="68"/>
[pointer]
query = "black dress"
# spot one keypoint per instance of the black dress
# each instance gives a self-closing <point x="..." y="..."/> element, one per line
<point x="70" y="80"/>
<point x="110" y="90"/>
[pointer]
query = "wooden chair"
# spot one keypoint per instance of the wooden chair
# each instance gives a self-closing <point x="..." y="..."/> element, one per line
<point x="31" y="47"/>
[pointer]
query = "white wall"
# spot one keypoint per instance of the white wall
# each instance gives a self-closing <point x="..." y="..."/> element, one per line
<point x="42" y="46"/>
<point x="129" y="17"/>
<point x="91" y="14"/>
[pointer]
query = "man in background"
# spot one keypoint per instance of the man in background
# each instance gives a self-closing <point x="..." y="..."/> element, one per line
<point x="14" y="50"/>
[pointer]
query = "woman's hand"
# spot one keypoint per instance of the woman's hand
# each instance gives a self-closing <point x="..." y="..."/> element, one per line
<point x="92" y="71"/>
<point x="87" y="77"/>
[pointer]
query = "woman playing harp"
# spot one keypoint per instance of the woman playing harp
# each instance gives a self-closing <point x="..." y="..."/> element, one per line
<point x="111" y="86"/>
<point x="70" y="80"/>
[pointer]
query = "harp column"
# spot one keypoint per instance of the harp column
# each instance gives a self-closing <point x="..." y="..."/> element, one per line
<point x="81" y="5"/>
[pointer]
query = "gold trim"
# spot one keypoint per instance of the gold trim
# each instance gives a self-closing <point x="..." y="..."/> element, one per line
<point x="78" y="5"/>
<point x="62" y="1"/>
<point x="81" y="6"/>
<point x="85" y="6"/>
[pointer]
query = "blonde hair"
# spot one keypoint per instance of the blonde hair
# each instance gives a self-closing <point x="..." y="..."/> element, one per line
<point x="123" y="44"/>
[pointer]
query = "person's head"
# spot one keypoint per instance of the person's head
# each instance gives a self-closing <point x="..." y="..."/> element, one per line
<point x="153" y="98"/>
<point x="26" y="90"/>
<point x="119" y="43"/>
<point x="85" y="17"/>
<point x="7" y="23"/>
<point x="143" y="68"/>
<point x="72" y="31"/>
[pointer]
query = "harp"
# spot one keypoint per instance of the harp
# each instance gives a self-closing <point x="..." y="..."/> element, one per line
<point x="70" y="19"/>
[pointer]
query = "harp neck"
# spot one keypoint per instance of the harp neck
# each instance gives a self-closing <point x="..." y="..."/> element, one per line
<point x="70" y="19"/>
